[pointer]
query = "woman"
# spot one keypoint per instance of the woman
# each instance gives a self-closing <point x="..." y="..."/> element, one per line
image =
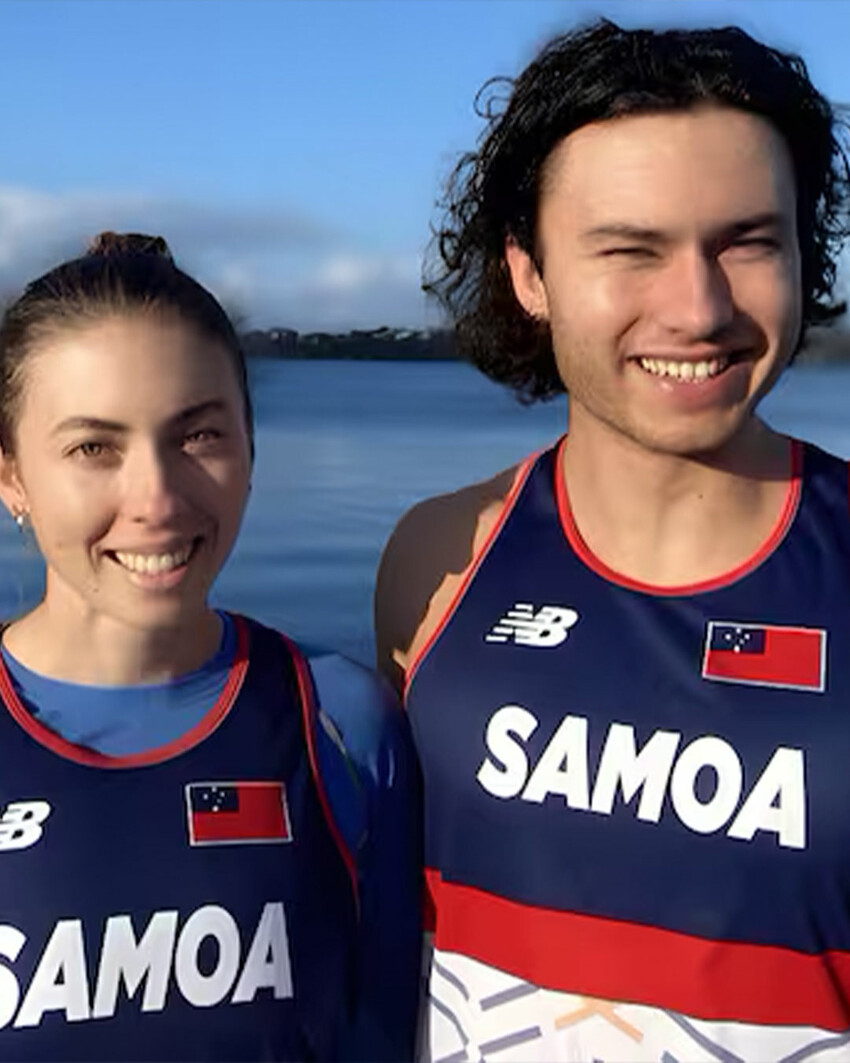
<point x="196" y="861"/>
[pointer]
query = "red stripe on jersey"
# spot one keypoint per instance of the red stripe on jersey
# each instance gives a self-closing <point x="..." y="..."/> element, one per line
<point x="621" y="961"/>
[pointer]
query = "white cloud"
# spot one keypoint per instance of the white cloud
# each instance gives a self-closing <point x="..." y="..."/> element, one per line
<point x="30" y="219"/>
<point x="335" y="292"/>
<point x="273" y="266"/>
<point x="347" y="273"/>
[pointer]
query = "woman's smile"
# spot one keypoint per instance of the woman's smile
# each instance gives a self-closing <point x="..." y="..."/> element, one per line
<point x="160" y="569"/>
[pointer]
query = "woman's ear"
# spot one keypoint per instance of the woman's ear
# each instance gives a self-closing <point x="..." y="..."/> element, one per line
<point x="527" y="282"/>
<point x="12" y="493"/>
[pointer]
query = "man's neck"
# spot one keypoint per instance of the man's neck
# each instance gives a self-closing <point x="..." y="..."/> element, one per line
<point x="668" y="520"/>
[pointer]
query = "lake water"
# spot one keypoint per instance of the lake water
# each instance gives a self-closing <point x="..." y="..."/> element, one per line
<point x="343" y="448"/>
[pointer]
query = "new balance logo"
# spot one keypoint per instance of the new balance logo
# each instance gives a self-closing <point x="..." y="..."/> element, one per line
<point x="20" y="824"/>
<point x="546" y="627"/>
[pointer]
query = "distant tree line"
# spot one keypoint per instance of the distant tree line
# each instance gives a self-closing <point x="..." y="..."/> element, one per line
<point x="823" y="345"/>
<point x="369" y="344"/>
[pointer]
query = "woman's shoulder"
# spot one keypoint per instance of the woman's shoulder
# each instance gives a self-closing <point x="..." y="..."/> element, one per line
<point x="355" y="706"/>
<point x="349" y="689"/>
<point x="365" y="758"/>
<point x="358" y="708"/>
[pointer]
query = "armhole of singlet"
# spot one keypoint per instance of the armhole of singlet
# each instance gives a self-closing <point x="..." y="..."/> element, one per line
<point x="309" y="715"/>
<point x="472" y="568"/>
<point x="90" y="757"/>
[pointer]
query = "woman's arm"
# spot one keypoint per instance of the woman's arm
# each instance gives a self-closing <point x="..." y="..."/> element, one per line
<point x="369" y="730"/>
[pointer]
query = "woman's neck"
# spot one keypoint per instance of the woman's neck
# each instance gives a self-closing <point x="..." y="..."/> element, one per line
<point x="100" y="650"/>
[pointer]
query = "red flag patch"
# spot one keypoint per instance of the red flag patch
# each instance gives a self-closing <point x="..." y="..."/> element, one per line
<point x="765" y="655"/>
<point x="230" y="813"/>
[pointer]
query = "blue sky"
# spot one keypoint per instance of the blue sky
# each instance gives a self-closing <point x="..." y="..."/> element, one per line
<point x="291" y="151"/>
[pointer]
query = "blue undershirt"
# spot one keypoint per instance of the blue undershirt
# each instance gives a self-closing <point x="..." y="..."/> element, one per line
<point x="121" y="720"/>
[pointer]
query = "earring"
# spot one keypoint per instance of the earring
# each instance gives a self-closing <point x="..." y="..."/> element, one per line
<point x="20" y="518"/>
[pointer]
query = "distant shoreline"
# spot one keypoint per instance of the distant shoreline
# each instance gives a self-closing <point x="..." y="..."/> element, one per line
<point x="824" y="346"/>
<point x="381" y="344"/>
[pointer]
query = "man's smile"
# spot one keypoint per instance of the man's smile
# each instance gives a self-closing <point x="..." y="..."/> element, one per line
<point x="683" y="370"/>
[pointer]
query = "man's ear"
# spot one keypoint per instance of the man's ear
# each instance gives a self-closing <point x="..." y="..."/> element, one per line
<point x="12" y="493"/>
<point x="527" y="282"/>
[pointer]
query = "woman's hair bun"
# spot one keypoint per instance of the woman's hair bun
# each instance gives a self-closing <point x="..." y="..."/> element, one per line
<point x="108" y="244"/>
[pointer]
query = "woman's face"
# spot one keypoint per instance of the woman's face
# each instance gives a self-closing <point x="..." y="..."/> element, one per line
<point x="133" y="462"/>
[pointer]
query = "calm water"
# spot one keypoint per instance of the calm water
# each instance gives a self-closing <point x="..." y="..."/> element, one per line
<point x="343" y="448"/>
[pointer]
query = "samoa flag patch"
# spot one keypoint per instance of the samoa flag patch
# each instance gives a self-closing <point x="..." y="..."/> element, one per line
<point x="233" y="813"/>
<point x="767" y="655"/>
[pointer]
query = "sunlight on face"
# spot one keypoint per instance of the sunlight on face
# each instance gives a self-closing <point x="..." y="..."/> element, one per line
<point x="133" y="460"/>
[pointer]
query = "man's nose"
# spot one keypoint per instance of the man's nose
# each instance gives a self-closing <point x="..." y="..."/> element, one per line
<point x="695" y="301"/>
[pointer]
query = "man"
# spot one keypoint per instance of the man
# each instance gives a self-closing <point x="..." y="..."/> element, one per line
<point x="625" y="661"/>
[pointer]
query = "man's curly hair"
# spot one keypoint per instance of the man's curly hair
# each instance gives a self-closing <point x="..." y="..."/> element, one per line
<point x="589" y="75"/>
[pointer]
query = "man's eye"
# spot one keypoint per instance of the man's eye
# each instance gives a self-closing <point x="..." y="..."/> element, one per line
<point x="631" y="251"/>
<point x="757" y="243"/>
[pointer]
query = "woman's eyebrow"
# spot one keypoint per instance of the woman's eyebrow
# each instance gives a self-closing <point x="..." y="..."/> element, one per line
<point x="97" y="424"/>
<point x="199" y="410"/>
<point x="100" y="424"/>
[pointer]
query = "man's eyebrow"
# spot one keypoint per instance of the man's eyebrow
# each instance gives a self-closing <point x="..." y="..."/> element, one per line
<point x="644" y="234"/>
<point x="768" y="220"/>
<point x="623" y="231"/>
<point x="99" y="424"/>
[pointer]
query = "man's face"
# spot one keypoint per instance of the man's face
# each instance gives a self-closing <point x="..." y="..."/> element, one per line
<point x="670" y="274"/>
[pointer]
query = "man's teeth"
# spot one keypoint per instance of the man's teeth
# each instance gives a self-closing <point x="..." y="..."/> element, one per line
<point x="151" y="564"/>
<point x="689" y="371"/>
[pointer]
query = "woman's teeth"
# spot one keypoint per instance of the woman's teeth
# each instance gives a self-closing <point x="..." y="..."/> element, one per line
<point x="688" y="371"/>
<point x="151" y="564"/>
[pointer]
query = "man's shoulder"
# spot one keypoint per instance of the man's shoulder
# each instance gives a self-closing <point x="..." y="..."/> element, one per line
<point x="817" y="456"/>
<point x="424" y="559"/>
<point x="446" y="521"/>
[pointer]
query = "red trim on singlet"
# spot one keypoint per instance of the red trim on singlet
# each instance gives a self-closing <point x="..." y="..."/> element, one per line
<point x="521" y="476"/>
<point x="848" y="485"/>
<point x="90" y="757"/>
<point x="309" y="711"/>
<point x="583" y="551"/>
<point x="615" y="960"/>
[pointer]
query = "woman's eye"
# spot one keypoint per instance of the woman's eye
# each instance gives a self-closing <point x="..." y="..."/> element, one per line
<point x="202" y="435"/>
<point x="90" y="449"/>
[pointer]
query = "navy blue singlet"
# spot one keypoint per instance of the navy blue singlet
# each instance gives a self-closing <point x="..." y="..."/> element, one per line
<point x="186" y="903"/>
<point x="637" y="838"/>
